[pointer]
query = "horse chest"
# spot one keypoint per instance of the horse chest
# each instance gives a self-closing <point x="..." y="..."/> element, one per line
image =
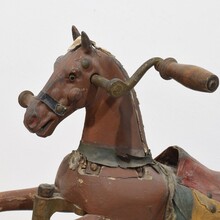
<point x="115" y="192"/>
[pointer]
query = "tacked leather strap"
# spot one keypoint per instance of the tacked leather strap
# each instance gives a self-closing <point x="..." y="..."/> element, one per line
<point x="108" y="157"/>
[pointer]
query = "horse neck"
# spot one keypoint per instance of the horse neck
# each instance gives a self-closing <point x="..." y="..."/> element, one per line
<point x="115" y="122"/>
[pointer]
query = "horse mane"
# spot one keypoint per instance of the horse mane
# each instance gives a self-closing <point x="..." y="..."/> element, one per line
<point x="76" y="43"/>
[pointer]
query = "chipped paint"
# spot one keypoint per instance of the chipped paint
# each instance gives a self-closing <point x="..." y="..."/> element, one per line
<point x="111" y="178"/>
<point x="80" y="181"/>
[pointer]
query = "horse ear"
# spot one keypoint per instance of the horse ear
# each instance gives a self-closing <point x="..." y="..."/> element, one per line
<point x="75" y="32"/>
<point x="86" y="43"/>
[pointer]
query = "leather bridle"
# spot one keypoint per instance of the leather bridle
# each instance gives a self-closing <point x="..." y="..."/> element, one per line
<point x="55" y="106"/>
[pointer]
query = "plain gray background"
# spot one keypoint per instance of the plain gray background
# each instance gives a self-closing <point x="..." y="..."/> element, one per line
<point x="35" y="33"/>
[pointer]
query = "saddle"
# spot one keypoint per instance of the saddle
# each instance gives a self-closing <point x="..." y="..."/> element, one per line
<point x="190" y="172"/>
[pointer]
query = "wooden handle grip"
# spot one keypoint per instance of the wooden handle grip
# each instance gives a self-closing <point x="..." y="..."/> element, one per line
<point x="193" y="77"/>
<point x="25" y="98"/>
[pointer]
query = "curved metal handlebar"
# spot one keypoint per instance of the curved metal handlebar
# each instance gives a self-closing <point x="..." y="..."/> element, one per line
<point x="193" y="77"/>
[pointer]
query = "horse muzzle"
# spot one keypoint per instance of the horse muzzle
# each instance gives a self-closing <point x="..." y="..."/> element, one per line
<point x="26" y="97"/>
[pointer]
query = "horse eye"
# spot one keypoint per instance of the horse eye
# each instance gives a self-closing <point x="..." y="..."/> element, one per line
<point x="72" y="76"/>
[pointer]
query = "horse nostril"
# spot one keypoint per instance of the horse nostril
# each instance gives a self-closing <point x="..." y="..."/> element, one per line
<point x="33" y="122"/>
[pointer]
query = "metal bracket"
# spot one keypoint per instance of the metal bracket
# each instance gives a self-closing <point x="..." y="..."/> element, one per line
<point x="49" y="202"/>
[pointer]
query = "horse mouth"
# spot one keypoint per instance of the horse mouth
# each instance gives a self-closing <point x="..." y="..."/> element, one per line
<point x="47" y="129"/>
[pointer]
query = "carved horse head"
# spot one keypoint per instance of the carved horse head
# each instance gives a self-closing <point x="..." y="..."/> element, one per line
<point x="69" y="88"/>
<point x="75" y="83"/>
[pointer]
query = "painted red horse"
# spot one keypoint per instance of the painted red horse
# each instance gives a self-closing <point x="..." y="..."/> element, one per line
<point x="112" y="174"/>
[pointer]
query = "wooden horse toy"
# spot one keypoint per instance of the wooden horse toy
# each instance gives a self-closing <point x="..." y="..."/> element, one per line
<point x="112" y="174"/>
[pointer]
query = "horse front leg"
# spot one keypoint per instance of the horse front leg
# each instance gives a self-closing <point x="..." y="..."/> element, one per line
<point x="92" y="217"/>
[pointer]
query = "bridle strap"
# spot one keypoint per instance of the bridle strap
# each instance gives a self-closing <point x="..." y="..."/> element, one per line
<point x="55" y="106"/>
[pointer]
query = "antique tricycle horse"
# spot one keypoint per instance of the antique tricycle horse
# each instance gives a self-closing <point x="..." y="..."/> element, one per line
<point x="112" y="174"/>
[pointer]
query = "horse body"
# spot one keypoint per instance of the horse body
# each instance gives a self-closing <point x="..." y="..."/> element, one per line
<point x="114" y="193"/>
